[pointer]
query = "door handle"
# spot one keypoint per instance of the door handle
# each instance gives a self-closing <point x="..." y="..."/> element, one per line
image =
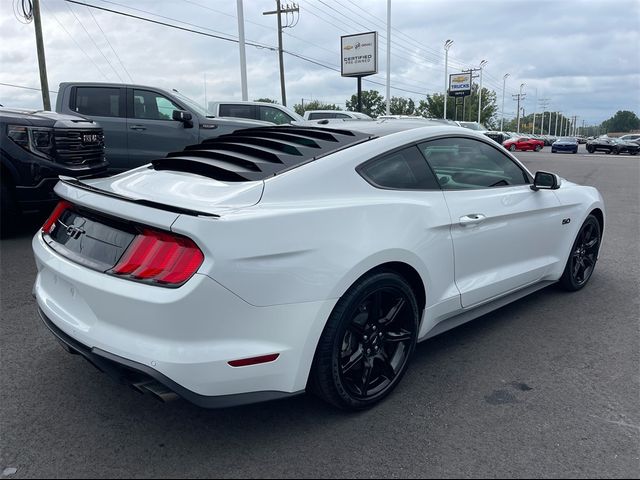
<point x="472" y="219"/>
<point x="138" y="127"/>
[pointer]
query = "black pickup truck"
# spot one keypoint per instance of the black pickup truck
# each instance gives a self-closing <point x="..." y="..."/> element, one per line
<point x="36" y="147"/>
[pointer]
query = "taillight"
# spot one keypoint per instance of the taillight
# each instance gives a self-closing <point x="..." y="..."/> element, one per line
<point x="160" y="258"/>
<point x="50" y="224"/>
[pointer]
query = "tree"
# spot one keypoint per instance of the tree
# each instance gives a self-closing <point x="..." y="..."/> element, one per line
<point x="622" y="121"/>
<point x="402" y="106"/>
<point x="266" y="100"/>
<point x="372" y="103"/>
<point x="314" y="105"/>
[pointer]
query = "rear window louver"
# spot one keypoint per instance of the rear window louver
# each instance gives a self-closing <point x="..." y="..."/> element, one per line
<point x="258" y="153"/>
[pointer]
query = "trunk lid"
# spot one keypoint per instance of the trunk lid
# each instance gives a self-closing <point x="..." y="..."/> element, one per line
<point x="183" y="190"/>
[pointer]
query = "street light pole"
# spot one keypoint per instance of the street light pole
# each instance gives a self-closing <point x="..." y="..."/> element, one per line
<point x="504" y="85"/>
<point x="447" y="46"/>
<point x="482" y="64"/>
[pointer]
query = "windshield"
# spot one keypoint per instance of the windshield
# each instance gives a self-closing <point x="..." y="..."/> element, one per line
<point x="567" y="139"/>
<point x="192" y="104"/>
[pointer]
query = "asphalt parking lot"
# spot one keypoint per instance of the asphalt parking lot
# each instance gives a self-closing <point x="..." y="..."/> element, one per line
<point x="546" y="387"/>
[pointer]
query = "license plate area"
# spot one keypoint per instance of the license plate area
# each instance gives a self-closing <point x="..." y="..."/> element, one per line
<point x="94" y="242"/>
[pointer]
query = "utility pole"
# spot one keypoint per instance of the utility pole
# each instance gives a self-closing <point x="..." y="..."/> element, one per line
<point x="543" y="103"/>
<point x="447" y="46"/>
<point x="519" y="97"/>
<point x="483" y="63"/>
<point x="243" y="55"/>
<point x="471" y="71"/>
<point x="388" y="57"/>
<point x="533" y="129"/>
<point x="288" y="9"/>
<point x="504" y="85"/>
<point x="556" y="129"/>
<point x="42" y="64"/>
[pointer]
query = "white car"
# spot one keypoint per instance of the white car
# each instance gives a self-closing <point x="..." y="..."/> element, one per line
<point x="335" y="114"/>
<point x="268" y="112"/>
<point x="262" y="263"/>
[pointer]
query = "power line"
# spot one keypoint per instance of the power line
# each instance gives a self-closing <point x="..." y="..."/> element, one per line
<point x="228" y="39"/>
<point x="93" y="41"/>
<point x="111" y="46"/>
<point x="75" y="41"/>
<point x="24" y="87"/>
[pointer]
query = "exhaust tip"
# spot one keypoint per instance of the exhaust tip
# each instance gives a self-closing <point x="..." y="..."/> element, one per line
<point x="157" y="390"/>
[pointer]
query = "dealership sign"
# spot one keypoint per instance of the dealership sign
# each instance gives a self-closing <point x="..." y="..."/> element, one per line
<point x="460" y="84"/>
<point x="359" y="54"/>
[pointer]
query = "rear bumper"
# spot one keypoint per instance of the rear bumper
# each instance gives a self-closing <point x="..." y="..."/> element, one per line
<point x="147" y="380"/>
<point x="564" y="148"/>
<point x="181" y="338"/>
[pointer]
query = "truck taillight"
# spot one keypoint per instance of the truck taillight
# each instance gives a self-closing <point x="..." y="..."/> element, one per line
<point x="50" y="224"/>
<point x="160" y="258"/>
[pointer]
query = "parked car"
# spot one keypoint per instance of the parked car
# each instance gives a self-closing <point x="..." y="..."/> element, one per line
<point x="177" y="278"/>
<point x="523" y="143"/>
<point x="36" y="147"/>
<point x="270" y="112"/>
<point x="633" y="137"/>
<point x="331" y="114"/>
<point x="498" y="137"/>
<point x="581" y="139"/>
<point x="612" y="145"/>
<point x="565" y="144"/>
<point x="478" y="127"/>
<point x="142" y="123"/>
<point x="624" y="146"/>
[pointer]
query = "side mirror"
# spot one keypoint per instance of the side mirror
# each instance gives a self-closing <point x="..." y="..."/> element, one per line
<point x="545" y="181"/>
<point x="184" y="117"/>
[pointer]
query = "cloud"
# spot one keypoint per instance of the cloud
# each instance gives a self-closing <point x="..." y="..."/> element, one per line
<point x="582" y="55"/>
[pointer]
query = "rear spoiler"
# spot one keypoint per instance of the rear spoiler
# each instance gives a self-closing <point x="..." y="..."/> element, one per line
<point x="74" y="182"/>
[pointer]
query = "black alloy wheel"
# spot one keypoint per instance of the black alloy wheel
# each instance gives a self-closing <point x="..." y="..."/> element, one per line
<point x="616" y="151"/>
<point x="583" y="257"/>
<point x="367" y="343"/>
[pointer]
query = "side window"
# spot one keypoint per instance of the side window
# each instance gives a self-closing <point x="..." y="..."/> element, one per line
<point x="99" y="102"/>
<point x="240" y="111"/>
<point x="152" y="106"/>
<point x="270" y="114"/>
<point x="342" y="115"/>
<point x="464" y="163"/>
<point x="403" y="170"/>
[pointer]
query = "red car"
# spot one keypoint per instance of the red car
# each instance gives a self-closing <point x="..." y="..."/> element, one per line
<point x="523" y="143"/>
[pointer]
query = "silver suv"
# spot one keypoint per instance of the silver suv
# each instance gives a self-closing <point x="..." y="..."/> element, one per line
<point x="268" y="112"/>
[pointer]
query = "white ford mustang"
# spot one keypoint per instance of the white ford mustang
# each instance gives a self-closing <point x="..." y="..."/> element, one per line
<point x="262" y="263"/>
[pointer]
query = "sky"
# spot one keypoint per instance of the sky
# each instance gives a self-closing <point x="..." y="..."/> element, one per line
<point x="582" y="56"/>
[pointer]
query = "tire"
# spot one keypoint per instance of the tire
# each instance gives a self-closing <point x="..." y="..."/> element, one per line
<point x="575" y="151"/>
<point x="583" y="257"/>
<point x="357" y="344"/>
<point x="512" y="148"/>
<point x="9" y="211"/>
<point x="616" y="151"/>
<point x="538" y="148"/>
<point x="553" y="151"/>
<point x="590" y="149"/>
